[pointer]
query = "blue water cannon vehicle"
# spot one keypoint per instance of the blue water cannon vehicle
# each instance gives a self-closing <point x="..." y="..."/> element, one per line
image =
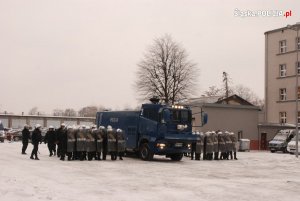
<point x="157" y="129"/>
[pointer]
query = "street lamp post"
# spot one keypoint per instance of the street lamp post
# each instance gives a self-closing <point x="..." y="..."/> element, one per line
<point x="296" y="28"/>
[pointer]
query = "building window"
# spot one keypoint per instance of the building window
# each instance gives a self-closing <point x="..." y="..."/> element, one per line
<point x="298" y="43"/>
<point x="282" y="46"/>
<point x="282" y="70"/>
<point x="282" y="94"/>
<point x="298" y="117"/>
<point x="282" y="116"/>
<point x="298" y="67"/>
<point x="298" y="93"/>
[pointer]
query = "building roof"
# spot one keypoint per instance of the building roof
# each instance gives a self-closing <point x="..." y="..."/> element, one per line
<point x="282" y="29"/>
<point x="205" y="99"/>
<point x="233" y="100"/>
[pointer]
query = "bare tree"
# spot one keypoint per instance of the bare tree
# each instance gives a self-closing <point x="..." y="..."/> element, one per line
<point x="70" y="112"/>
<point x="247" y="94"/>
<point x="89" y="111"/>
<point x="33" y="111"/>
<point x="166" y="72"/>
<point x="240" y="90"/>
<point x="213" y="91"/>
<point x="58" y="112"/>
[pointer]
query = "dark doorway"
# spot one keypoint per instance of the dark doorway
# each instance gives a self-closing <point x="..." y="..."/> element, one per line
<point x="263" y="141"/>
<point x="240" y="134"/>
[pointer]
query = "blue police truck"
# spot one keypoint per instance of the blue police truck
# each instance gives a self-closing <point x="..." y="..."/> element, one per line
<point x="156" y="129"/>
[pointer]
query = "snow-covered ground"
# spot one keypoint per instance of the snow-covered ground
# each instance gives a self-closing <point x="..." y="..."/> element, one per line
<point x="256" y="176"/>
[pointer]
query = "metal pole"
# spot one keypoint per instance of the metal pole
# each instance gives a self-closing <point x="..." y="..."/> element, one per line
<point x="297" y="132"/>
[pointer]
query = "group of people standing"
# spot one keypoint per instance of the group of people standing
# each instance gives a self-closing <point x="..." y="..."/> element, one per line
<point x="214" y="146"/>
<point x="82" y="143"/>
<point x="36" y="139"/>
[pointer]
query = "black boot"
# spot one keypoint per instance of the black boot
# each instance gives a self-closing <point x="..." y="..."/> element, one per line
<point x="235" y="158"/>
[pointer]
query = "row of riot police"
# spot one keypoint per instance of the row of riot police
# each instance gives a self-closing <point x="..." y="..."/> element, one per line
<point x="88" y="143"/>
<point x="214" y="146"/>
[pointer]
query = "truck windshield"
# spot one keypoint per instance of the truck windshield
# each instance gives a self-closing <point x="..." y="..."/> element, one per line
<point x="181" y="116"/>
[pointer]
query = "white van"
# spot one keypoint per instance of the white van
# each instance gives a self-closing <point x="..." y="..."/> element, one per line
<point x="291" y="147"/>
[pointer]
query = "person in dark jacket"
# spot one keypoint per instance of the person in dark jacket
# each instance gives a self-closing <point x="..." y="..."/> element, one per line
<point x="63" y="141"/>
<point x="104" y="145"/>
<point x="50" y="139"/>
<point x="25" y="138"/>
<point x="36" y="139"/>
<point x="58" y="142"/>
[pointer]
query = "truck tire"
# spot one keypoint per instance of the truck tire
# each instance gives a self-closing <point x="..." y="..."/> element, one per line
<point x="176" y="157"/>
<point x="272" y="151"/>
<point x="145" y="152"/>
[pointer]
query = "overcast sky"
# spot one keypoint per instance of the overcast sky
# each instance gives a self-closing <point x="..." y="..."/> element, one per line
<point x="74" y="53"/>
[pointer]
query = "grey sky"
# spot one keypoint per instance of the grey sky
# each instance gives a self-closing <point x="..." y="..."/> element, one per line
<point x="74" y="53"/>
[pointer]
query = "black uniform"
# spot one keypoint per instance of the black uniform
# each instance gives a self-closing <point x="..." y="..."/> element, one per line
<point x="50" y="139"/>
<point x="25" y="139"/>
<point x="104" y="147"/>
<point x="62" y="142"/>
<point x="36" y="139"/>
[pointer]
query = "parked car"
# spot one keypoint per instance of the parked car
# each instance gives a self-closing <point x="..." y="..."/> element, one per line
<point x="291" y="147"/>
<point x="2" y="135"/>
<point x="2" y="132"/>
<point x="14" y="134"/>
<point x="280" y="141"/>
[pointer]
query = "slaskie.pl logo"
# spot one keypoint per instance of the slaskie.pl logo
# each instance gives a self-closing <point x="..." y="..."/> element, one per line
<point x="262" y="13"/>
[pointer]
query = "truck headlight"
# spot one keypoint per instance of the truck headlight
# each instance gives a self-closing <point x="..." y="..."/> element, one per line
<point x="189" y="146"/>
<point x="161" y="145"/>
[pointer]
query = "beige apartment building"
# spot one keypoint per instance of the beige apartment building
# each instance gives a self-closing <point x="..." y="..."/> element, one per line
<point x="281" y="68"/>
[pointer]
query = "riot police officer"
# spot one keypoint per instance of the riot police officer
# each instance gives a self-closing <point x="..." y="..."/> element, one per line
<point x="199" y="145"/>
<point x="90" y="143"/>
<point x="215" y="145"/>
<point x="209" y="146"/>
<point x="228" y="145"/>
<point x="70" y="143"/>
<point x="120" y="143"/>
<point x="50" y="139"/>
<point x="222" y="145"/>
<point x="58" y="132"/>
<point x="193" y="148"/>
<point x="62" y="141"/>
<point x="104" y="145"/>
<point x="36" y="139"/>
<point x="234" y="141"/>
<point x="81" y="143"/>
<point x="112" y="142"/>
<point x="99" y="141"/>
<point x="25" y="138"/>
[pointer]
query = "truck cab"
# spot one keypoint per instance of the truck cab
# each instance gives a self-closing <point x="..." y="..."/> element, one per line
<point x="156" y="129"/>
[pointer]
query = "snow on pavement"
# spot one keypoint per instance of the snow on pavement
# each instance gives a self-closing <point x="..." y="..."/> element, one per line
<point x="256" y="176"/>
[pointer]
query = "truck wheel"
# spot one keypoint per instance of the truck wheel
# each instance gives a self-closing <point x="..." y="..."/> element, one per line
<point x="273" y="151"/>
<point x="145" y="152"/>
<point x="176" y="157"/>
